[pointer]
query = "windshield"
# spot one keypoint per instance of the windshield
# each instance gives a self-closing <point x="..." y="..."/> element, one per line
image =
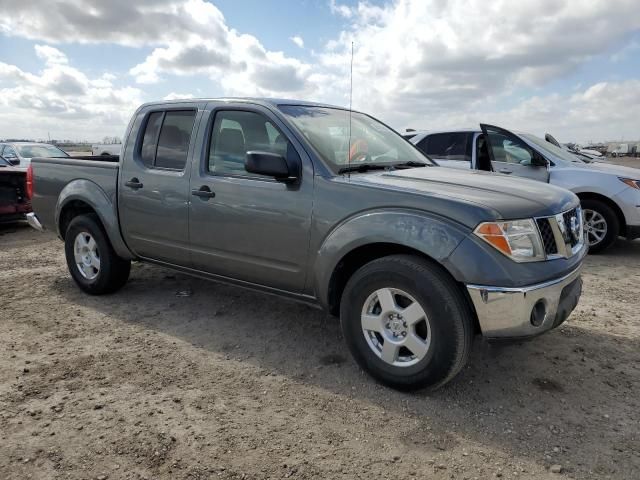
<point x="30" y="151"/>
<point x="371" y="142"/>
<point x="547" y="147"/>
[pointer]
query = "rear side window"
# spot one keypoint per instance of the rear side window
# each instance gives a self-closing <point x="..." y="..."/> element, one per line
<point x="447" y="146"/>
<point x="166" y="139"/>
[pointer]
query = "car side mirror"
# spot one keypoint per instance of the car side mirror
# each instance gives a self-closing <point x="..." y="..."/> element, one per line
<point x="539" y="161"/>
<point x="272" y="165"/>
<point x="12" y="160"/>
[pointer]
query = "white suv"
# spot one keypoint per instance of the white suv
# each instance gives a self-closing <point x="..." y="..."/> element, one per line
<point x="610" y="194"/>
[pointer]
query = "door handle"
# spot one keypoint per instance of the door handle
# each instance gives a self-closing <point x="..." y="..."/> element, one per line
<point x="504" y="170"/>
<point x="134" y="183"/>
<point x="203" y="192"/>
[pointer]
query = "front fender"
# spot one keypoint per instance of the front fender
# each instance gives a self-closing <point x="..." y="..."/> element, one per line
<point x="435" y="236"/>
<point x="90" y="193"/>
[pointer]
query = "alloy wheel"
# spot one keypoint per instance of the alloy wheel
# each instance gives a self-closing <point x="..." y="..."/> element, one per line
<point x="86" y="255"/>
<point x="595" y="225"/>
<point x="396" y="327"/>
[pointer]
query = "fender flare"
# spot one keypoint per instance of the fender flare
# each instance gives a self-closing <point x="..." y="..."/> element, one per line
<point x="93" y="195"/>
<point x="434" y="236"/>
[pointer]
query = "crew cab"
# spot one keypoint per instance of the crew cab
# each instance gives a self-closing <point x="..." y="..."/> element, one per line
<point x="609" y="194"/>
<point x="328" y="207"/>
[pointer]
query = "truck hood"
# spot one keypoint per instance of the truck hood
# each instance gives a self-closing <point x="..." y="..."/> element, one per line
<point x="505" y="196"/>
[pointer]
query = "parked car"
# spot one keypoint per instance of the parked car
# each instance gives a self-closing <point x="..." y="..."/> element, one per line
<point x="15" y="193"/>
<point x="587" y="156"/>
<point x="609" y="194"/>
<point x="106" y="149"/>
<point x="20" y="154"/>
<point x="277" y="196"/>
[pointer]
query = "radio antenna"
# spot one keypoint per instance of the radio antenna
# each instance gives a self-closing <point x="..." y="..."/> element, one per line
<point x="350" y="105"/>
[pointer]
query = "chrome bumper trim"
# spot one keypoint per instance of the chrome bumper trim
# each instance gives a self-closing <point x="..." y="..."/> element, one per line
<point x="506" y="312"/>
<point x="33" y="221"/>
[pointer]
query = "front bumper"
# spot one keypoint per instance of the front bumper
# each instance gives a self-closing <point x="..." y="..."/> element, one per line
<point x="510" y="313"/>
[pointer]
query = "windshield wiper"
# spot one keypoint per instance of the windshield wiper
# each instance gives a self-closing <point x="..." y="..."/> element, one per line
<point x="364" y="167"/>
<point x="412" y="163"/>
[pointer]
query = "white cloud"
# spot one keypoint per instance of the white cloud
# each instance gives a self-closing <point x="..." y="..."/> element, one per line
<point x="51" y="56"/>
<point x="62" y="100"/>
<point x="177" y="96"/>
<point x="416" y="62"/>
<point x="297" y="39"/>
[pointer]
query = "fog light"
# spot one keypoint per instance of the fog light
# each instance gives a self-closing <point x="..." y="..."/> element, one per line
<point x="538" y="313"/>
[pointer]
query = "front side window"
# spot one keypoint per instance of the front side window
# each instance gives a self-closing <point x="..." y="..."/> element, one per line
<point x="447" y="146"/>
<point x="9" y="152"/>
<point x="165" y="143"/>
<point x="509" y="149"/>
<point x="343" y="140"/>
<point x="236" y="132"/>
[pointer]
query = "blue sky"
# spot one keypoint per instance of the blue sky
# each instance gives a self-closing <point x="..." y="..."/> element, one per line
<point x="78" y="68"/>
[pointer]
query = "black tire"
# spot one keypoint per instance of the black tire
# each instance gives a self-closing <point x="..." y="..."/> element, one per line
<point x="612" y="224"/>
<point x="114" y="270"/>
<point x="448" y="313"/>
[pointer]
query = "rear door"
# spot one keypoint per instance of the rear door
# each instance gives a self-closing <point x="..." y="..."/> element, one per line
<point x="154" y="182"/>
<point x="450" y="149"/>
<point x="513" y="156"/>
<point x="249" y="227"/>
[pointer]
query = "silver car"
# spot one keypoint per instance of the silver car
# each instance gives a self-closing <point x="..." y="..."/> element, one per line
<point x="19" y="154"/>
<point x="609" y="194"/>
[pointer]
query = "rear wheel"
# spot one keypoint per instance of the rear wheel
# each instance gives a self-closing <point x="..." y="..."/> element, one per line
<point x="601" y="225"/>
<point x="406" y="322"/>
<point x="92" y="262"/>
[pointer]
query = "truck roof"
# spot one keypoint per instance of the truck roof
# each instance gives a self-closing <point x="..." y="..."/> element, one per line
<point x="264" y="101"/>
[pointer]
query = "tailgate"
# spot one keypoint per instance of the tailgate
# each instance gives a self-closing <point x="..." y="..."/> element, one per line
<point x="12" y="192"/>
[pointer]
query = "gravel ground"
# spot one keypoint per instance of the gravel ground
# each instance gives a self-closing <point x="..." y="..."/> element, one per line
<point x="178" y="378"/>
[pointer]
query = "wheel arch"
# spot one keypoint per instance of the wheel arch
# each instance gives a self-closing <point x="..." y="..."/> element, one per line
<point x="610" y="203"/>
<point x="380" y="233"/>
<point x="82" y="197"/>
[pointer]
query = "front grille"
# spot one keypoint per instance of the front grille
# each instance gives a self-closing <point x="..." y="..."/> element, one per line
<point x="548" y="240"/>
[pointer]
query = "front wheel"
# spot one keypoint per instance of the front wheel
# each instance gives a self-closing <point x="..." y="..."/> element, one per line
<point x="406" y="322"/>
<point x="92" y="262"/>
<point x="601" y="225"/>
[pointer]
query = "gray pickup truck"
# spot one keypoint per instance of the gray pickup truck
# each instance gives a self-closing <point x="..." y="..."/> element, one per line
<point x="329" y="207"/>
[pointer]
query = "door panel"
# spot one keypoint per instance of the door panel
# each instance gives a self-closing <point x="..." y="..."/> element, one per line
<point x="153" y="199"/>
<point x="510" y="155"/>
<point x="252" y="228"/>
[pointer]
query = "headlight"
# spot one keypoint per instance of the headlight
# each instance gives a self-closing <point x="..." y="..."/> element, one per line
<point x="517" y="239"/>
<point x="631" y="182"/>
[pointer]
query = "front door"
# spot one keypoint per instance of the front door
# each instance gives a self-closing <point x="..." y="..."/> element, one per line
<point x="247" y="226"/>
<point x="513" y="156"/>
<point x="154" y="183"/>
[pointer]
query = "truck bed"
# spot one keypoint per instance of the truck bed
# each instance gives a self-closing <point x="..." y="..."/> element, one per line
<point x="52" y="175"/>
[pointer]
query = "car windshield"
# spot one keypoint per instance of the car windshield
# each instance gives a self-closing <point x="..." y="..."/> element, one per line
<point x="31" y="151"/>
<point x="370" y="142"/>
<point x="547" y="147"/>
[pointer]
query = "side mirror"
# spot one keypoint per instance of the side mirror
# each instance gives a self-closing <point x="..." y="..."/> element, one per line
<point x="12" y="160"/>
<point x="272" y="165"/>
<point x="538" y="160"/>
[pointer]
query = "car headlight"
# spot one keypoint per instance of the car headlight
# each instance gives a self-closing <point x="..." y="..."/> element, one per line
<point x="631" y="182"/>
<point x="518" y="239"/>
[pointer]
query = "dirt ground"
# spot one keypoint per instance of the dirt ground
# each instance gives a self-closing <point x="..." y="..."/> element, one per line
<point x="178" y="378"/>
